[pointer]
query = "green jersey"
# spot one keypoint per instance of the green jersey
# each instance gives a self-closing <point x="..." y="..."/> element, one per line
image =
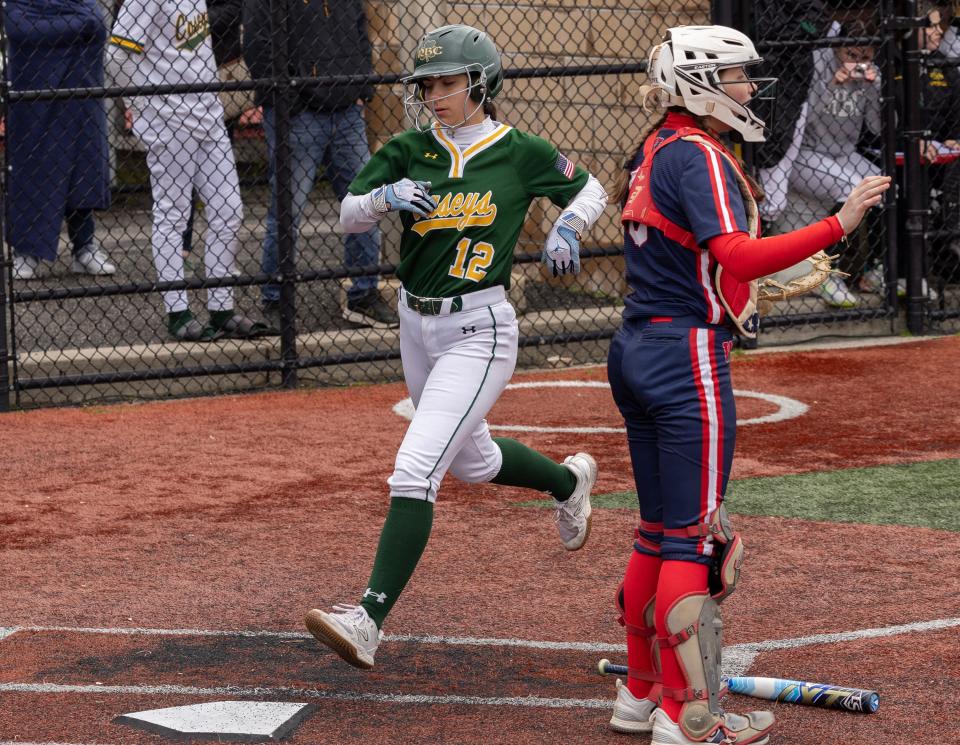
<point x="483" y="194"/>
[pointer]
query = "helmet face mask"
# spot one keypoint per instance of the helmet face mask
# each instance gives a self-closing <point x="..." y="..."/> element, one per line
<point x="449" y="51"/>
<point x="686" y="67"/>
<point x="420" y="109"/>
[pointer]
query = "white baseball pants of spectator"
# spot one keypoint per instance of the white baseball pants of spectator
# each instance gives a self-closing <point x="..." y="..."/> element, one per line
<point x="456" y="365"/>
<point x="829" y="177"/>
<point x="776" y="178"/>
<point x="178" y="162"/>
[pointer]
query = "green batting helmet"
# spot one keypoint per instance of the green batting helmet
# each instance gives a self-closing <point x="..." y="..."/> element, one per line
<point x="455" y="49"/>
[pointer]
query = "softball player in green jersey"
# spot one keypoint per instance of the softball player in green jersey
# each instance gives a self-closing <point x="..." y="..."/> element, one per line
<point x="462" y="183"/>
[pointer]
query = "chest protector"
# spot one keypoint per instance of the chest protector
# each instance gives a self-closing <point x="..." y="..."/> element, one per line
<point x="739" y="299"/>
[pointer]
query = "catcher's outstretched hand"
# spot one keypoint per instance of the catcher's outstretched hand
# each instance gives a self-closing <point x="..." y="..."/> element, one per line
<point x="863" y="196"/>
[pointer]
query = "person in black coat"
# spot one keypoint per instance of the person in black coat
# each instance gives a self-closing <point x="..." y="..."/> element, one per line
<point x="327" y="127"/>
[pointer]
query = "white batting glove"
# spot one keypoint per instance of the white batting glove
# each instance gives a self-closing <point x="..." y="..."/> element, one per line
<point x="561" y="252"/>
<point x="405" y="194"/>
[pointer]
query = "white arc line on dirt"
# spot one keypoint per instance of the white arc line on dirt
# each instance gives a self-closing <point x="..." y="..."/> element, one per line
<point x="787" y="408"/>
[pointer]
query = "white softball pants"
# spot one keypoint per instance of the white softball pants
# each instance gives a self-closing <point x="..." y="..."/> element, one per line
<point x="179" y="162"/>
<point x="456" y="366"/>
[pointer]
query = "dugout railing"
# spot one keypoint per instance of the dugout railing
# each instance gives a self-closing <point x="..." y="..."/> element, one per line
<point x="572" y="77"/>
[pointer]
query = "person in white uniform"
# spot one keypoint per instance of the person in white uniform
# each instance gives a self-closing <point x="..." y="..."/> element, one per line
<point x="156" y="42"/>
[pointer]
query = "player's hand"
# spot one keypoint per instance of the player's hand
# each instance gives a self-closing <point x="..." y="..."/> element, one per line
<point x="561" y="252"/>
<point x="863" y="196"/>
<point x="412" y="196"/>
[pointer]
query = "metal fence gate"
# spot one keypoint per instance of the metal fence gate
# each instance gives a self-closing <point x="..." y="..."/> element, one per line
<point x="170" y="164"/>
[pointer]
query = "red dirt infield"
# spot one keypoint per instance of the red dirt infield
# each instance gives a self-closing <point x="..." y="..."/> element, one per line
<point x="242" y="512"/>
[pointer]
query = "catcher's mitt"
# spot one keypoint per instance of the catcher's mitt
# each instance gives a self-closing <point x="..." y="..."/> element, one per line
<point x="798" y="279"/>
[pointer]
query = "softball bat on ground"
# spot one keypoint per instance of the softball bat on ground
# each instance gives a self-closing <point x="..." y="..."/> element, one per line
<point x="790" y="691"/>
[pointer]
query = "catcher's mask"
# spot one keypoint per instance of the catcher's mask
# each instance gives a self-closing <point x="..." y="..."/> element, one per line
<point x="446" y="51"/>
<point x="686" y="68"/>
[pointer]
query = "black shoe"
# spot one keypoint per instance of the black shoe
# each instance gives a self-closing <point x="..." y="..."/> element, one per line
<point x="371" y="310"/>
<point x="271" y="314"/>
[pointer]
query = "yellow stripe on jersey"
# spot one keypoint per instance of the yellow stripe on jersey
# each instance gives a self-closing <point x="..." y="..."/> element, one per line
<point x="486" y="142"/>
<point x="458" y="160"/>
<point x="128" y="44"/>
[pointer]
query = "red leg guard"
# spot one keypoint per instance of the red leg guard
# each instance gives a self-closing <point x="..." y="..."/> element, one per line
<point x="677" y="578"/>
<point x="639" y="586"/>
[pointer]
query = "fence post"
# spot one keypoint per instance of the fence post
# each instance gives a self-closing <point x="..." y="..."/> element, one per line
<point x="888" y="149"/>
<point x="5" y="252"/>
<point x="914" y="180"/>
<point x="721" y="13"/>
<point x="280" y="98"/>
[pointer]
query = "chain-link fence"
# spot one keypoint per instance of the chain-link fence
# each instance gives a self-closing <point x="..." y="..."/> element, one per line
<point x="176" y="169"/>
<point x="851" y="105"/>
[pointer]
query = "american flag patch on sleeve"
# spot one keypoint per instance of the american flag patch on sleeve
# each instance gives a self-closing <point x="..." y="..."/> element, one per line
<point x="565" y="166"/>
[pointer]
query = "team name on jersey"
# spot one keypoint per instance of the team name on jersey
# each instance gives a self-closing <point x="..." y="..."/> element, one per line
<point x="459" y="211"/>
<point x="190" y="32"/>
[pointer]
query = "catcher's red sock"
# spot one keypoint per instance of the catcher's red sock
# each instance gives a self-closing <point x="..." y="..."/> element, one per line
<point x="677" y="578"/>
<point x="639" y="585"/>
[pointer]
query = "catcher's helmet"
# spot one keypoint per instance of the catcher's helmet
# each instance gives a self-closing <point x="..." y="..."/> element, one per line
<point x="686" y="66"/>
<point x="453" y="50"/>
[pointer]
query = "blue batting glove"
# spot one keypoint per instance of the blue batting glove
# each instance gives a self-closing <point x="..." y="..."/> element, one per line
<point x="412" y="196"/>
<point x="561" y="252"/>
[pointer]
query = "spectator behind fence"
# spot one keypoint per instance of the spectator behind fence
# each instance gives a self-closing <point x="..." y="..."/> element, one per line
<point x="168" y="42"/>
<point x="940" y="86"/>
<point x="57" y="156"/>
<point x="844" y="97"/>
<point x="327" y="128"/>
<point x="792" y="65"/>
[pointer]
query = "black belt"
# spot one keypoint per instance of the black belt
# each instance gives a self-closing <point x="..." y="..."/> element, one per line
<point x="432" y="306"/>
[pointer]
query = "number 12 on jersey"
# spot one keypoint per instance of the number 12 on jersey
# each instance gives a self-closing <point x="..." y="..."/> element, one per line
<point x="472" y="263"/>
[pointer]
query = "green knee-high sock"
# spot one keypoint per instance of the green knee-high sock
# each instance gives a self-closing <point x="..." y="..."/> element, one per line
<point x="523" y="466"/>
<point x="402" y="540"/>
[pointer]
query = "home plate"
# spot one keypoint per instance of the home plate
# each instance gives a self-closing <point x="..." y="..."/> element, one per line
<point x="243" y="721"/>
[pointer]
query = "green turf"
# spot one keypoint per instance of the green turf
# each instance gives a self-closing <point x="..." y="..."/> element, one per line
<point x="920" y="494"/>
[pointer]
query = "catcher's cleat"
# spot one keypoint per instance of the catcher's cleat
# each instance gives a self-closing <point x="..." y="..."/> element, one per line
<point x="573" y="514"/>
<point x="836" y="294"/>
<point x="631" y="715"/>
<point x="752" y="729"/>
<point x="348" y="631"/>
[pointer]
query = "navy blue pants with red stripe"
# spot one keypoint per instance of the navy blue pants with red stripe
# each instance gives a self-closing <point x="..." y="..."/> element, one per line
<point x="670" y="378"/>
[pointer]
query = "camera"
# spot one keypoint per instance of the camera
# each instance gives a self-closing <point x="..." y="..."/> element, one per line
<point x="859" y="70"/>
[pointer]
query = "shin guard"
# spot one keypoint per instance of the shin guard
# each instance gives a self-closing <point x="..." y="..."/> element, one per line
<point x="696" y="641"/>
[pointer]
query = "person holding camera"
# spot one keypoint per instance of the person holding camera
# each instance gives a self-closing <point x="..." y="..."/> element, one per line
<point x="844" y="98"/>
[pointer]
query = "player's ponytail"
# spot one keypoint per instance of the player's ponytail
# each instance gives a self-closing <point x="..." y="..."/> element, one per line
<point x="622" y="186"/>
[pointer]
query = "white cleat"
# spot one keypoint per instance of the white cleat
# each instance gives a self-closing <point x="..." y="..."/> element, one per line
<point x="92" y="261"/>
<point x="631" y="715"/>
<point x="25" y="267"/>
<point x="573" y="515"/>
<point x="348" y="631"/>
